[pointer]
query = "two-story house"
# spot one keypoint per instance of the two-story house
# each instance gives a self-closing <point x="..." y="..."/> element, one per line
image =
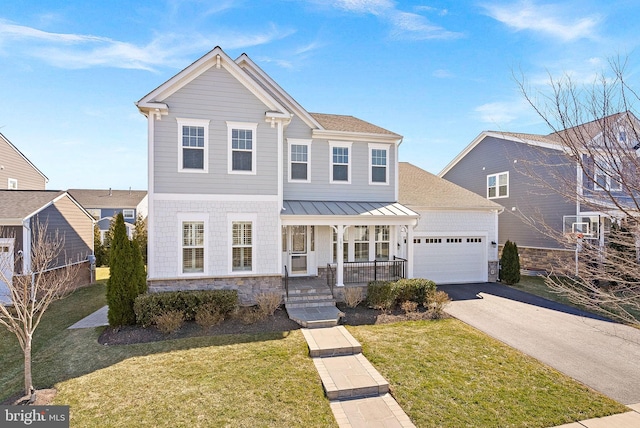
<point x="244" y="182"/>
<point x="247" y="187"/>
<point x="105" y="204"/>
<point x="16" y="171"/>
<point x="554" y="187"/>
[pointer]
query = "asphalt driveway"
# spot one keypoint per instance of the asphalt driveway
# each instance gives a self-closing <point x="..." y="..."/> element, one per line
<point x="599" y="353"/>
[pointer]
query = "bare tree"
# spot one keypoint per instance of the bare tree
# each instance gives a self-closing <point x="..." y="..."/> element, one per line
<point x="32" y="291"/>
<point x="597" y="127"/>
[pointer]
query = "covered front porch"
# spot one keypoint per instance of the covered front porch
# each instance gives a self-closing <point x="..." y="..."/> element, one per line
<point x="347" y="242"/>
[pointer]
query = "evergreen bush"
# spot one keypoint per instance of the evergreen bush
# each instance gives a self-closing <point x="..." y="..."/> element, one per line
<point x="122" y="287"/>
<point x="510" y="264"/>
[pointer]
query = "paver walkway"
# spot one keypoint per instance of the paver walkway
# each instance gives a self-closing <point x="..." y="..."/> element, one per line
<point x="359" y="395"/>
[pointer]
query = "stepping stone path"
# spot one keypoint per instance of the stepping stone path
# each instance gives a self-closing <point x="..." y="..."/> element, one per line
<point x="359" y="395"/>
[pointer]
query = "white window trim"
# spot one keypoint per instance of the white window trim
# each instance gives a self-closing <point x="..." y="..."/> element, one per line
<point x="193" y="122"/>
<point x="254" y="146"/>
<point x="300" y="142"/>
<point x="127" y="210"/>
<point x="348" y="145"/>
<point x="497" y="175"/>
<point x="12" y="183"/>
<point x="253" y="219"/>
<point x="384" y="147"/>
<point x="192" y="217"/>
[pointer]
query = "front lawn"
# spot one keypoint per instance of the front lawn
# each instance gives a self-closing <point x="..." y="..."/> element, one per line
<point x="442" y="373"/>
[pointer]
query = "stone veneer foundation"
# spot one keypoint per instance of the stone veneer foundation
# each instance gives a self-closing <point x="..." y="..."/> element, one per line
<point x="544" y="259"/>
<point x="248" y="287"/>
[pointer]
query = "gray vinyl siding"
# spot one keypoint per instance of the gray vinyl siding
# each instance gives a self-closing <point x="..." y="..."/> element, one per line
<point x="533" y="189"/>
<point x="72" y="224"/>
<point x="216" y="96"/>
<point x="320" y="188"/>
<point x="16" y="167"/>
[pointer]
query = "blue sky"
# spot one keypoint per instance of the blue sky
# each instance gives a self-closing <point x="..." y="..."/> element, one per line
<point x="436" y="72"/>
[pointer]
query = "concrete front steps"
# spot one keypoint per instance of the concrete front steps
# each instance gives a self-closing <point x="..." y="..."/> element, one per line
<point x="359" y="395"/>
<point x="311" y="304"/>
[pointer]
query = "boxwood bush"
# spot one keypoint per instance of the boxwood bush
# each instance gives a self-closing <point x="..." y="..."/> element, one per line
<point x="148" y="306"/>
<point x="386" y="295"/>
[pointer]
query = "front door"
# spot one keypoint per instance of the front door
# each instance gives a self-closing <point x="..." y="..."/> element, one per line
<point x="298" y="250"/>
<point x="6" y="268"/>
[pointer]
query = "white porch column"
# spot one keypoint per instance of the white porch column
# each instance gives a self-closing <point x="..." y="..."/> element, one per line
<point x="340" y="256"/>
<point x="409" y="251"/>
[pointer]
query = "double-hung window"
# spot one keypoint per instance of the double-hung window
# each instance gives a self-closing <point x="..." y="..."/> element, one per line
<point x="607" y="179"/>
<point x="12" y="184"/>
<point x="299" y="160"/>
<point x="361" y="244"/>
<point x="242" y="246"/>
<point x="192" y="246"/>
<point x="340" y="162"/>
<point x="382" y="242"/>
<point x="128" y="213"/>
<point x="193" y="136"/>
<point x="498" y="185"/>
<point x="242" y="147"/>
<point x="378" y="164"/>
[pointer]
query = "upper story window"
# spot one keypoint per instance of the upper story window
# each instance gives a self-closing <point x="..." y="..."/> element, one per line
<point x="607" y="180"/>
<point x="299" y="160"/>
<point x="95" y="212"/>
<point x="128" y="213"/>
<point x="242" y="147"/>
<point x="378" y="164"/>
<point x="340" y="162"/>
<point x="498" y="185"/>
<point x="193" y="147"/>
<point x="12" y="184"/>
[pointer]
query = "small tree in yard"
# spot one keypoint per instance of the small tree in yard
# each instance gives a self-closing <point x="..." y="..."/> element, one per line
<point x="140" y="236"/>
<point x="510" y="264"/>
<point x="102" y="258"/>
<point x="34" y="290"/>
<point x="126" y="278"/>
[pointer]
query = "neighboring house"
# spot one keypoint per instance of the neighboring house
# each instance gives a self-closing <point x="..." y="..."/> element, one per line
<point x="16" y="171"/>
<point x="104" y="205"/>
<point x="20" y="213"/>
<point x="545" y="191"/>
<point x="456" y="238"/>
<point x="244" y="182"/>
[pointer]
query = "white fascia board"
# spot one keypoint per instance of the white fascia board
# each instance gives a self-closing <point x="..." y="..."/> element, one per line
<point x="216" y="57"/>
<point x="354" y="220"/>
<point x="501" y="136"/>
<point x="483" y="210"/>
<point x="244" y="61"/>
<point x="356" y="136"/>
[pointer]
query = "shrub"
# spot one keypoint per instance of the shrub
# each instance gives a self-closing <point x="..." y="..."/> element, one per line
<point x="208" y="315"/>
<point x="268" y="302"/>
<point x="510" y="264"/>
<point x="147" y="306"/>
<point x="435" y="304"/>
<point x="122" y="286"/>
<point x="380" y="295"/>
<point x="249" y="314"/>
<point x="169" y="322"/>
<point x="409" y="307"/>
<point x="353" y="296"/>
<point x="414" y="290"/>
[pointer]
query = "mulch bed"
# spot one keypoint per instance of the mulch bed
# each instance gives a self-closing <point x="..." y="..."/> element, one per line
<point x="279" y="322"/>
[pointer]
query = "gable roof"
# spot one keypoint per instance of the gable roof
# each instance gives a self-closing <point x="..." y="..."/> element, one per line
<point x="108" y="198"/>
<point x="19" y="205"/>
<point x="342" y="123"/>
<point x="6" y="140"/>
<point x="593" y="129"/>
<point x="419" y="188"/>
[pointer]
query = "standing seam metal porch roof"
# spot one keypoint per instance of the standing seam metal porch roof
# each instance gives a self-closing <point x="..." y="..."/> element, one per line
<point x="342" y="208"/>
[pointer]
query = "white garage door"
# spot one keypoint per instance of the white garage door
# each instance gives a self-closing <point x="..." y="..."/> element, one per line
<point x="6" y="268"/>
<point x="450" y="259"/>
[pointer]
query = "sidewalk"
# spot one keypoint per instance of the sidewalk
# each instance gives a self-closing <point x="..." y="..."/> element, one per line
<point x="96" y="319"/>
<point x="623" y="420"/>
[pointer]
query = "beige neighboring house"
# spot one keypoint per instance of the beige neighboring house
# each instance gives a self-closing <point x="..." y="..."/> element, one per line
<point x="105" y="204"/>
<point x="455" y="240"/>
<point x="16" y="171"/>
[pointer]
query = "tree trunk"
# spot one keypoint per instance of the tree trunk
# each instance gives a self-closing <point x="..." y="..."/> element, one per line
<point x="27" y="367"/>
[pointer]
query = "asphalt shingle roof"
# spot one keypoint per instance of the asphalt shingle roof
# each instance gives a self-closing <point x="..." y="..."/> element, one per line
<point x="106" y="198"/>
<point x="336" y="122"/>
<point x="18" y="204"/>
<point x="419" y="188"/>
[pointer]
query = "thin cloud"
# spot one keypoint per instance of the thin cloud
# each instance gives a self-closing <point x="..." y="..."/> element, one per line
<point x="442" y="74"/>
<point x="404" y="25"/>
<point x="550" y="20"/>
<point x="501" y="113"/>
<point x="77" y="51"/>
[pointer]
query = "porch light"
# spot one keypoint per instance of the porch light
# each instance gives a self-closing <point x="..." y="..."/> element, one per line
<point x="493" y="244"/>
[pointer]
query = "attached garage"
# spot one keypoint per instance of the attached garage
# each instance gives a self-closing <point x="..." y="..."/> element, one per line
<point x="450" y="259"/>
<point x="455" y="239"/>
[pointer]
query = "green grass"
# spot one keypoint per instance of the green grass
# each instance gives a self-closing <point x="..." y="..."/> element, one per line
<point x="535" y="285"/>
<point x="442" y="373"/>
<point x="447" y="374"/>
